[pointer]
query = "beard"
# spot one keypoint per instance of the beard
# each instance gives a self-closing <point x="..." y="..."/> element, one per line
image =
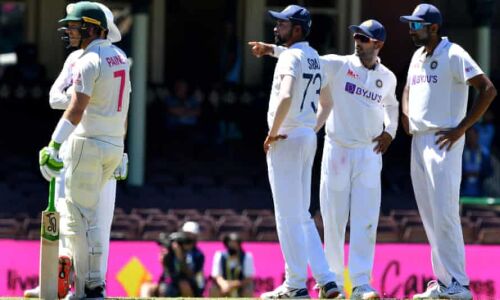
<point x="419" y="42"/>
<point x="282" y="40"/>
<point x="364" y="54"/>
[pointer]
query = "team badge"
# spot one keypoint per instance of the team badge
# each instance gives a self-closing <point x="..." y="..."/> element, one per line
<point x="70" y="8"/>
<point x="434" y="64"/>
<point x="379" y="83"/>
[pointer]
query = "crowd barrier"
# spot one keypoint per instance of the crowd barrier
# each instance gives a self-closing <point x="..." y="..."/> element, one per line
<point x="400" y="270"/>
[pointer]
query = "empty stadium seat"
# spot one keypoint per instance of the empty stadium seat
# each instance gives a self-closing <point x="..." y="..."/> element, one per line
<point x="217" y="213"/>
<point x="414" y="234"/>
<point x="10" y="228"/>
<point x="253" y="214"/>
<point x="490" y="235"/>
<point x="264" y="224"/>
<point x="399" y="214"/>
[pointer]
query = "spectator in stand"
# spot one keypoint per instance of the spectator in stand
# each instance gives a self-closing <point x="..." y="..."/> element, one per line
<point x="476" y="164"/>
<point x="232" y="270"/>
<point x="183" y="111"/>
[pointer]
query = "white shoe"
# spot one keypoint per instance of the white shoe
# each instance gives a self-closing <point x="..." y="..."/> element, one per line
<point x="456" y="291"/>
<point x="285" y="292"/>
<point x="364" y="292"/>
<point x="32" y="293"/>
<point x="433" y="291"/>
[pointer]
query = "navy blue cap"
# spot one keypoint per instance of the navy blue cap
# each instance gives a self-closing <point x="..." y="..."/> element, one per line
<point x="426" y="13"/>
<point x="371" y="28"/>
<point x="296" y="14"/>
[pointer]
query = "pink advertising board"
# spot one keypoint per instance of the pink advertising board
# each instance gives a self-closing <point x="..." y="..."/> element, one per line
<point x="400" y="269"/>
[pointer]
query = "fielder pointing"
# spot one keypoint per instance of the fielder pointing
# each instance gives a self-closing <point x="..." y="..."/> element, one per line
<point x="434" y="113"/>
<point x="290" y="148"/>
<point x="95" y="124"/>
<point x="359" y="130"/>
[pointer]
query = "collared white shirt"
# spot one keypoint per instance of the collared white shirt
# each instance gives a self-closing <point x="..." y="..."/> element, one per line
<point x="364" y="101"/>
<point x="302" y="62"/>
<point x="438" y="89"/>
<point x="102" y="72"/>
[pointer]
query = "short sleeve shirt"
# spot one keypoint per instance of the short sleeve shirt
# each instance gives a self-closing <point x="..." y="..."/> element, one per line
<point x="438" y="90"/>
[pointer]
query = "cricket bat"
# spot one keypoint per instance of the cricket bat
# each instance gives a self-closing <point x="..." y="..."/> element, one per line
<point x="49" y="248"/>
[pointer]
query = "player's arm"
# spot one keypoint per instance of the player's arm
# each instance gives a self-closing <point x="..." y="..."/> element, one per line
<point x="487" y="93"/>
<point x="60" y="91"/>
<point x="391" y="114"/>
<point x="405" y="121"/>
<point x="325" y="107"/>
<point x="77" y="106"/>
<point x="260" y="49"/>
<point x="285" y="101"/>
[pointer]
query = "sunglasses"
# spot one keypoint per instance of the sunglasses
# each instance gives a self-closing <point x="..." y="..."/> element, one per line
<point x="415" y="26"/>
<point x="362" y="38"/>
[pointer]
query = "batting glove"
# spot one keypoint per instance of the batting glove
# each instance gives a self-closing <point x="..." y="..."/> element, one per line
<point x="121" y="172"/>
<point x="50" y="163"/>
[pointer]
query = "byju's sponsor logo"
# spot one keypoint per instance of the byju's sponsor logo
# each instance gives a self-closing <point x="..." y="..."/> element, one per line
<point x="418" y="79"/>
<point x="351" y="88"/>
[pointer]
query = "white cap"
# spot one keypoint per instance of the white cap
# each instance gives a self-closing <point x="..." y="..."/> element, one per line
<point x="191" y="227"/>
<point x="114" y="34"/>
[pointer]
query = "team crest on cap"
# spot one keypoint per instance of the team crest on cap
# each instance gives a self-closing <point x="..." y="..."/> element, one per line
<point x="434" y="64"/>
<point x="379" y="83"/>
<point x="70" y="8"/>
<point x="367" y="23"/>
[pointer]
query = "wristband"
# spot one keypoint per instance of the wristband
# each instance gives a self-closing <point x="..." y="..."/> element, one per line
<point x="63" y="129"/>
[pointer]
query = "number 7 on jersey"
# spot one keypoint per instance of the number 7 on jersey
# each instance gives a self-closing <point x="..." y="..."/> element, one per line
<point x="122" y="75"/>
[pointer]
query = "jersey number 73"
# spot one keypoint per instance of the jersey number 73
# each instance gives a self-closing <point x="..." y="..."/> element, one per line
<point x="310" y="77"/>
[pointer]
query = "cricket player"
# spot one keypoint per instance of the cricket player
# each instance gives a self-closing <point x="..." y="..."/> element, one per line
<point x="59" y="98"/>
<point x="94" y="122"/>
<point x="434" y="113"/>
<point x="364" y="91"/>
<point x="290" y="147"/>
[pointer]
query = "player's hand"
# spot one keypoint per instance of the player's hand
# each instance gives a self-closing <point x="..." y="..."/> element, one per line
<point x="383" y="141"/>
<point x="271" y="139"/>
<point x="121" y="172"/>
<point x="448" y="137"/>
<point x="49" y="160"/>
<point x="260" y="49"/>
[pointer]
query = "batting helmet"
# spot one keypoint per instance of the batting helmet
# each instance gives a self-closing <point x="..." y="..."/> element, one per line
<point x="86" y="12"/>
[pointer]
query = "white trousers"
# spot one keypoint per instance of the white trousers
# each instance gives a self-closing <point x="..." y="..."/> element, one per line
<point x="436" y="176"/>
<point x="289" y="164"/>
<point x="89" y="165"/>
<point x="350" y="185"/>
<point x="105" y="209"/>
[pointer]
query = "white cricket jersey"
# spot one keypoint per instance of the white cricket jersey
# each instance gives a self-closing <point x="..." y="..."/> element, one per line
<point x="364" y="101"/>
<point x="438" y="86"/>
<point x="302" y="62"/>
<point x="58" y="97"/>
<point x="102" y="72"/>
